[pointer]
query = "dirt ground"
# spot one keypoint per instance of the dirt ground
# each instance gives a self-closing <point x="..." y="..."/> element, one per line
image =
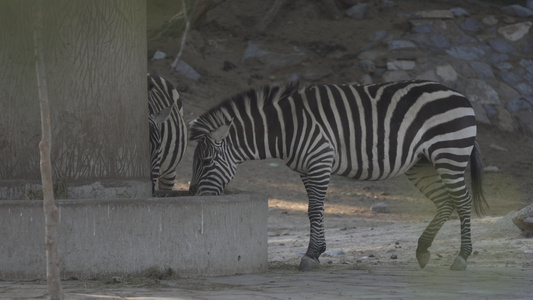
<point x="369" y="256"/>
<point x="223" y="34"/>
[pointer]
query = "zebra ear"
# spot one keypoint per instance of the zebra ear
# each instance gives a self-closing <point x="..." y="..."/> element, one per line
<point x="221" y="133"/>
<point x="162" y="116"/>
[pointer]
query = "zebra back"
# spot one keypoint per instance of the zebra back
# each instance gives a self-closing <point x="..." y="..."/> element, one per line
<point x="376" y="131"/>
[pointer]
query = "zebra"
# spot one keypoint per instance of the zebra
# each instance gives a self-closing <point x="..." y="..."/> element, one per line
<point x="367" y="132"/>
<point x="168" y="133"/>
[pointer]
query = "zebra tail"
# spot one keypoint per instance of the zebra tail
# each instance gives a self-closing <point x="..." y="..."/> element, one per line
<point x="476" y="173"/>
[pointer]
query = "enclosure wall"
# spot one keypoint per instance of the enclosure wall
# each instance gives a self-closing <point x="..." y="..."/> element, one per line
<point x="189" y="235"/>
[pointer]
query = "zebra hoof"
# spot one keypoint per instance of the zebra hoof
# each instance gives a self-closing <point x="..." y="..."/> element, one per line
<point x="307" y="263"/>
<point x="459" y="264"/>
<point x="423" y="258"/>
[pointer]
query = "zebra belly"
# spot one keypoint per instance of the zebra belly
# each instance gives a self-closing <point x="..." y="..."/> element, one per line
<point x="373" y="171"/>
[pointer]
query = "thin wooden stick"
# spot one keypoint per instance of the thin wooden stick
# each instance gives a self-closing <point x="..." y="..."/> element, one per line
<point x="270" y="15"/>
<point x="184" y="37"/>
<point x="332" y="9"/>
<point x="51" y="214"/>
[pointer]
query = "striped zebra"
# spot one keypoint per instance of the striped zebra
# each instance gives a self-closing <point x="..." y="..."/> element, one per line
<point x="367" y="132"/>
<point x="168" y="132"/>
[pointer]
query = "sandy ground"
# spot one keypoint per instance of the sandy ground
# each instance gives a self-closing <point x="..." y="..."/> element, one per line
<point x="369" y="257"/>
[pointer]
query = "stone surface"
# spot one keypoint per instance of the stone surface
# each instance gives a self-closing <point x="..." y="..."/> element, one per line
<point x="379" y="36"/>
<point x="481" y="113"/>
<point x="218" y="235"/>
<point x="485" y="56"/>
<point x="483" y="70"/>
<point x="501" y="46"/>
<point x="446" y="73"/>
<point x="524" y="220"/>
<point x="433" y="14"/>
<point x="524" y="88"/>
<point x="517" y="10"/>
<point x="504" y="119"/>
<point x="440" y="41"/>
<point x="459" y="12"/>
<point x="466" y="52"/>
<point x="489" y="20"/>
<point x="357" y="11"/>
<point x="396" y="75"/>
<point x="471" y="25"/>
<point x="401" y="44"/>
<point x="366" y="65"/>
<point x="159" y="55"/>
<point x="401" y="65"/>
<point x="516" y="31"/>
<point x="273" y="59"/>
<point x="423" y="28"/>
<point x="527" y="64"/>
<point x="187" y="70"/>
<point x="428" y="75"/>
<point x="480" y="91"/>
<point x="517" y="104"/>
<point x="510" y="77"/>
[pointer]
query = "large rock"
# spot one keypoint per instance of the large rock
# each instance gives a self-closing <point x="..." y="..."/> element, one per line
<point x="483" y="70"/>
<point x="516" y="10"/>
<point x="433" y="14"/>
<point x="400" y="65"/>
<point x="480" y="91"/>
<point x="524" y="220"/>
<point x="273" y="59"/>
<point x="446" y="73"/>
<point x="401" y="44"/>
<point x="516" y="31"/>
<point x="397" y="75"/>
<point x="466" y="52"/>
<point x="357" y="11"/>
<point x="187" y="70"/>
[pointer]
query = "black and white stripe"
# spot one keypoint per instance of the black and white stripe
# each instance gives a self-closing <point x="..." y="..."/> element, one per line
<point x="366" y="132"/>
<point x="168" y="132"/>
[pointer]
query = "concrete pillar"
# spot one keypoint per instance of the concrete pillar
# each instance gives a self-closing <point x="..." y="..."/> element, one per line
<point x="95" y="55"/>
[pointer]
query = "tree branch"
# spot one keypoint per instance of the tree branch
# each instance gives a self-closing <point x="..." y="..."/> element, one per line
<point x="184" y="37"/>
<point x="270" y="15"/>
<point x="51" y="214"/>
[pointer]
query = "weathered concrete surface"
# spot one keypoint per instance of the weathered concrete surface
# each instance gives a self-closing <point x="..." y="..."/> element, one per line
<point x="191" y="235"/>
<point x="98" y="189"/>
<point x="326" y="283"/>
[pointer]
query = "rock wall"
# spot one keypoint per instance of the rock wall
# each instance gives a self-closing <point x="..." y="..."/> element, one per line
<point x="489" y="59"/>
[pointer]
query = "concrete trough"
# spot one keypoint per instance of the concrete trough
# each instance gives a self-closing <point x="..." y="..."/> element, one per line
<point x="193" y="236"/>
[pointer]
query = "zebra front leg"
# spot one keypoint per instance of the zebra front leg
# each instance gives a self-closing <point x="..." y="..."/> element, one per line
<point x="316" y="192"/>
<point x="166" y="181"/>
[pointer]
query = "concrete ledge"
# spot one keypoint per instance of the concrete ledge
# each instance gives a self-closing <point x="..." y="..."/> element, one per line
<point x="193" y="236"/>
<point x="78" y="189"/>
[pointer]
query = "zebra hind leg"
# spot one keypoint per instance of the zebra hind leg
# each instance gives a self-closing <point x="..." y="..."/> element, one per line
<point x="316" y="191"/>
<point x="424" y="176"/>
<point x="464" y="210"/>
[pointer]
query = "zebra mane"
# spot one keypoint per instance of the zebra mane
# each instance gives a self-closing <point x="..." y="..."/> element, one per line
<point x="224" y="112"/>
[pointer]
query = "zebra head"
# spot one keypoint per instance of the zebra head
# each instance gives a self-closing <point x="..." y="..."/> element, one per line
<point x="213" y="166"/>
<point x="154" y="121"/>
